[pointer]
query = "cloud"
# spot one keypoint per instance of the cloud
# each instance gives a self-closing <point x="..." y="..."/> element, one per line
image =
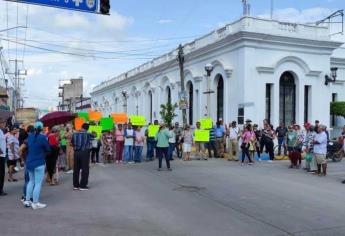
<point x="165" y="21"/>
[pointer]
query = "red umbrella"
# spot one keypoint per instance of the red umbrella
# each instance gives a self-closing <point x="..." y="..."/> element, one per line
<point x="56" y="118"/>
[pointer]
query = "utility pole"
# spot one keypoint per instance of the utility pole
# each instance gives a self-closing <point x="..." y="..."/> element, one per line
<point x="17" y="85"/>
<point x="181" y="60"/>
<point x="272" y="9"/>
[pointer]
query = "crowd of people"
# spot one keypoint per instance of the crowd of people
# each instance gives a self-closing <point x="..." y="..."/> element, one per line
<point x="45" y="153"/>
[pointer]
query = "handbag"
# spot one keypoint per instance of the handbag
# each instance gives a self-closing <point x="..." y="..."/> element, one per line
<point x="308" y="157"/>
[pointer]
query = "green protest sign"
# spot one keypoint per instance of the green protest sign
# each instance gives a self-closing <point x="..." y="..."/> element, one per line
<point x="206" y="123"/>
<point x="107" y="123"/>
<point x="138" y="120"/>
<point x="201" y="135"/>
<point x="97" y="130"/>
<point x="84" y="115"/>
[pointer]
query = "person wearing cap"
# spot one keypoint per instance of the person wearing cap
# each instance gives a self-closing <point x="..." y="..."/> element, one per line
<point x="320" y="150"/>
<point x="13" y="152"/>
<point x="2" y="156"/>
<point x="38" y="147"/>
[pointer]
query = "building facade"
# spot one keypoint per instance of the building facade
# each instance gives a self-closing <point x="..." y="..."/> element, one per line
<point x="262" y="69"/>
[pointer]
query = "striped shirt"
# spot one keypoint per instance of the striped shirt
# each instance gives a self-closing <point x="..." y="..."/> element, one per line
<point x="212" y="135"/>
<point x="81" y="141"/>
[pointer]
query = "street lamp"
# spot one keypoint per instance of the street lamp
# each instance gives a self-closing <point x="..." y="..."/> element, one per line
<point x="208" y="68"/>
<point x="333" y="77"/>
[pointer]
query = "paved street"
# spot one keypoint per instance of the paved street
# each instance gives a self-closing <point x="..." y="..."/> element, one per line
<point x="198" y="198"/>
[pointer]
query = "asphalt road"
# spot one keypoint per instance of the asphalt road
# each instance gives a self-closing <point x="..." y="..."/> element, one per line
<point x="212" y="197"/>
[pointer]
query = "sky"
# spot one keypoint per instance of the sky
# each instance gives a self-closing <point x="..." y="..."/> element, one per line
<point x="59" y="44"/>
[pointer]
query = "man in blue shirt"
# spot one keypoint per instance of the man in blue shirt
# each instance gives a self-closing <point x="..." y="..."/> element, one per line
<point x="81" y="142"/>
<point x="220" y="133"/>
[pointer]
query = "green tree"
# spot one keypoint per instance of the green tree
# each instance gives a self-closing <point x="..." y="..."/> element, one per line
<point x="338" y="109"/>
<point x="168" y="112"/>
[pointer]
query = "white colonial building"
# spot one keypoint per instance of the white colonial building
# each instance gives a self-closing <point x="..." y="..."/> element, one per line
<point x="262" y="69"/>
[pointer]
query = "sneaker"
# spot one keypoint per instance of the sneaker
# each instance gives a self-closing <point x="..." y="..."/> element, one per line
<point x="69" y="172"/>
<point x="38" y="205"/>
<point x="159" y="169"/>
<point x="84" y="189"/>
<point x="169" y="169"/>
<point x="260" y="159"/>
<point x="27" y="204"/>
<point x="75" y="188"/>
<point x="250" y="163"/>
<point x="343" y="182"/>
<point x="22" y="199"/>
<point x="270" y="161"/>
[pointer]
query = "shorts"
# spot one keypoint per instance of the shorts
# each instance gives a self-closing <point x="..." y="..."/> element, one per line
<point x="187" y="147"/>
<point x="11" y="163"/>
<point x="320" y="159"/>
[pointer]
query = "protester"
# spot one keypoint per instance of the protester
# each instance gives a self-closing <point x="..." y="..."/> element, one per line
<point x="38" y="147"/>
<point x="220" y="133"/>
<point x="62" y="159"/>
<point x="150" y="145"/>
<point x="211" y="145"/>
<point x="69" y="149"/>
<point x="13" y="152"/>
<point x="119" y="140"/>
<point x="299" y="144"/>
<point x="178" y="132"/>
<point x="291" y="140"/>
<point x="246" y="140"/>
<point x="51" y="158"/>
<point x="234" y="134"/>
<point x="2" y="156"/>
<point x="162" y="138"/>
<point x="309" y="148"/>
<point x="257" y="133"/>
<point x="23" y="152"/>
<point x="107" y="144"/>
<point x="187" y="140"/>
<point x="139" y="145"/>
<point x="172" y="142"/>
<point x="281" y="134"/>
<point x="199" y="146"/>
<point x="320" y="150"/>
<point x="129" y="143"/>
<point x="269" y="136"/>
<point x="95" y="148"/>
<point x="81" y="141"/>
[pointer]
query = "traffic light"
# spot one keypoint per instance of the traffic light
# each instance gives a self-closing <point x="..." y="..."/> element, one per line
<point x="104" y="7"/>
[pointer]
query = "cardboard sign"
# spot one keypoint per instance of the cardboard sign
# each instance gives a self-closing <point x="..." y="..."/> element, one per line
<point x="84" y="115"/>
<point x="138" y="120"/>
<point x="97" y="130"/>
<point x="201" y="135"/>
<point x="95" y="115"/>
<point x="119" y="118"/>
<point x="107" y="123"/>
<point x="78" y="122"/>
<point x="153" y="130"/>
<point x="206" y="123"/>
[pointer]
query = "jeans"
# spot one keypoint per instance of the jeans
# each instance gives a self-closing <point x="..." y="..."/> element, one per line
<point x="245" y="152"/>
<point x="160" y="153"/>
<point x="138" y="150"/>
<point x="81" y="163"/>
<point x="26" y="181"/>
<point x="151" y="144"/>
<point x="281" y="142"/>
<point x="171" y="150"/>
<point x="95" y="155"/>
<point x="128" y="154"/>
<point x="33" y="189"/>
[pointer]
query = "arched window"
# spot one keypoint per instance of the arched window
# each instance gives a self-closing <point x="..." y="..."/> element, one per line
<point x="287" y="103"/>
<point x="220" y="98"/>
<point x="190" y="102"/>
<point x="168" y="95"/>
<point x="150" y="105"/>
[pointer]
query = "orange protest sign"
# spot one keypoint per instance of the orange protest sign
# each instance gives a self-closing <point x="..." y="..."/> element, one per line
<point x="119" y="118"/>
<point x="78" y="122"/>
<point x="95" y="115"/>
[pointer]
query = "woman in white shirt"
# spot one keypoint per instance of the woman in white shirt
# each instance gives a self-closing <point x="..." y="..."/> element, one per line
<point x="13" y="152"/>
<point x="172" y="142"/>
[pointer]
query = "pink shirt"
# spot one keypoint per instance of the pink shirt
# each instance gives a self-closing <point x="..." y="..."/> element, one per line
<point x="139" y="139"/>
<point x="119" y="135"/>
<point x="247" y="136"/>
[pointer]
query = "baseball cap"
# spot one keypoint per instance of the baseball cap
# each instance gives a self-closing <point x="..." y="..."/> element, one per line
<point x="38" y="125"/>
